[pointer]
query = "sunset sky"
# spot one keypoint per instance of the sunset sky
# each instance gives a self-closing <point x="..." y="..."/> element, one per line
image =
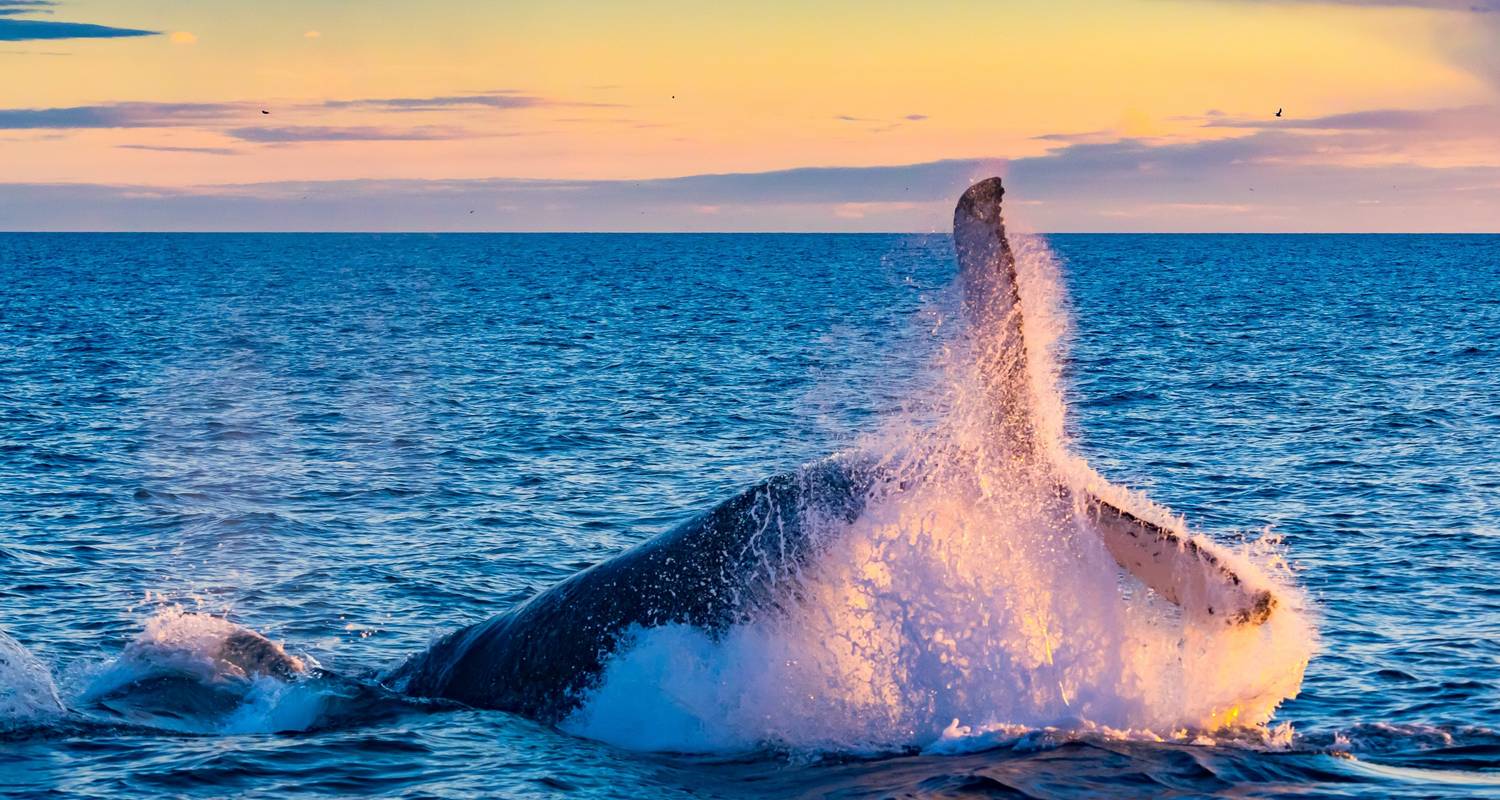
<point x="1144" y="115"/>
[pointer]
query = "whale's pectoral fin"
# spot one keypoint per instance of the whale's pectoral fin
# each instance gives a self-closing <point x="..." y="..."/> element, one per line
<point x="1180" y="568"/>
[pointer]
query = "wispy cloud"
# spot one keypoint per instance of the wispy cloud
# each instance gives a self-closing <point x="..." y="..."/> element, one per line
<point x="1435" y="136"/>
<point x="320" y="133"/>
<point x="218" y="115"/>
<point x="1264" y="181"/>
<point x="1349" y="172"/>
<point x="120" y="115"/>
<point x="10" y="8"/>
<point x="212" y="151"/>
<point x="26" y="30"/>
<point x="1470" y="118"/>
<point x="496" y="100"/>
<point x="1083" y="137"/>
<point x="881" y="124"/>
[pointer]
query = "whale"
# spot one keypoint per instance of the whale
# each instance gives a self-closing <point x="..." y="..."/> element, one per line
<point x="162" y="679"/>
<point x="193" y="672"/>
<point x="744" y="557"/>
<point x="173" y="679"/>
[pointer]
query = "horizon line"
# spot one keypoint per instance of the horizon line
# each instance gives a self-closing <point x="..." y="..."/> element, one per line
<point x="504" y="232"/>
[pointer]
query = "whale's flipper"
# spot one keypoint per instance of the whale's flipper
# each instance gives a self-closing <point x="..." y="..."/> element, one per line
<point x="1177" y="566"/>
<point x="1174" y="564"/>
<point x="992" y="307"/>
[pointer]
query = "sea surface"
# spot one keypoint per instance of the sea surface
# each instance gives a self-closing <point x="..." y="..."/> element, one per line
<point x="356" y="443"/>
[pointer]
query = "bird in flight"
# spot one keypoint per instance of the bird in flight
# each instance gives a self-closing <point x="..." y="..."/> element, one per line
<point x="1278" y="112"/>
<point x="263" y="111"/>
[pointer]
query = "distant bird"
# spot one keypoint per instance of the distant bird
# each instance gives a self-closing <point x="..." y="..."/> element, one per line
<point x="1278" y="112"/>
<point x="471" y="211"/>
<point x="263" y="111"/>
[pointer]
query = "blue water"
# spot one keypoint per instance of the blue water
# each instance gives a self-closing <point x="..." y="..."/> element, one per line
<point x="357" y="443"/>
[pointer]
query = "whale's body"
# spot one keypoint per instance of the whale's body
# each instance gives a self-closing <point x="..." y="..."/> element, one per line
<point x="744" y="557"/>
<point x="720" y="567"/>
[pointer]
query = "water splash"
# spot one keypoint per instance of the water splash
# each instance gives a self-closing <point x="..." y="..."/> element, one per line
<point x="195" y="672"/>
<point x="970" y="600"/>
<point x="200" y="673"/>
<point x="28" y="695"/>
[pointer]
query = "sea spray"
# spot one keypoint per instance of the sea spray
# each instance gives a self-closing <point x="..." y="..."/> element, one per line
<point x="201" y="673"/>
<point x="969" y="599"/>
<point x="27" y="692"/>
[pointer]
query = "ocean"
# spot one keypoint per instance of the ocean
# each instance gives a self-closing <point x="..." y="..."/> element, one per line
<point x="357" y="443"/>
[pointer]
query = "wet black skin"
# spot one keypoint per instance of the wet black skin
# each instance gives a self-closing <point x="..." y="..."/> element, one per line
<point x="723" y="566"/>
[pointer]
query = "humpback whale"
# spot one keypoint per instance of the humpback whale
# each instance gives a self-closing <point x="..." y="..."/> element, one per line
<point x="190" y="667"/>
<point x="743" y="558"/>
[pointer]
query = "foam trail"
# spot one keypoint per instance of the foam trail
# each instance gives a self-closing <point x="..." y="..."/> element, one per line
<point x="971" y="599"/>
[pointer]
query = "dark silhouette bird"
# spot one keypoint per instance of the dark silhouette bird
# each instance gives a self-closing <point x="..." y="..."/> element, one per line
<point x="1278" y="112"/>
<point x="263" y="111"/>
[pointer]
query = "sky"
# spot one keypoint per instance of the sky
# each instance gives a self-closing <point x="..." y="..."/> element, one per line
<point x="668" y="115"/>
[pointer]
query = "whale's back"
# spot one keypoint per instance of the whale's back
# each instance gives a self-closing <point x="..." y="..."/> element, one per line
<point x="741" y="558"/>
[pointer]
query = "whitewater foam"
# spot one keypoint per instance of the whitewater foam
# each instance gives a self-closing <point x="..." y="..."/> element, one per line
<point x="201" y="673"/>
